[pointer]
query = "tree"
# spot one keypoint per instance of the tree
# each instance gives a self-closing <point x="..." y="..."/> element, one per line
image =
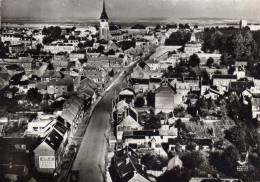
<point x="125" y="45"/>
<point x="100" y="49"/>
<point x="231" y="70"/>
<point x="150" y="99"/>
<point x="153" y="122"/>
<point x="47" y="40"/>
<point x="111" y="73"/>
<point x="45" y="31"/>
<point x="180" y="126"/>
<point x="39" y="47"/>
<point x="178" y="38"/>
<point x="210" y="62"/>
<point x="51" y="34"/>
<point x="218" y="72"/>
<point x="158" y="27"/>
<point x="80" y="45"/>
<point x="111" y="52"/>
<point x="194" y="60"/>
<point x="236" y="44"/>
<point x="226" y="161"/>
<point x="3" y="50"/>
<point x="256" y="71"/>
<point x="173" y="26"/>
<point x="181" y="26"/>
<point x="176" y="175"/>
<point x="34" y="96"/>
<point x="139" y="102"/>
<point x="187" y="26"/>
<point x="169" y="73"/>
<point x="238" y="137"/>
<point x="88" y="43"/>
<point x="205" y="77"/>
<point x="193" y="160"/>
<point x="50" y="66"/>
<point x="138" y="26"/>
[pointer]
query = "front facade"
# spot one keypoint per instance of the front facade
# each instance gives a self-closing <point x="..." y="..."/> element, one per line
<point x="48" y="155"/>
<point x="223" y="81"/>
<point x="59" y="47"/>
<point x="164" y="98"/>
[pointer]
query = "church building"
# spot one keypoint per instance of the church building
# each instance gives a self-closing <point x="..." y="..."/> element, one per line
<point x="109" y="31"/>
<point x="104" y="25"/>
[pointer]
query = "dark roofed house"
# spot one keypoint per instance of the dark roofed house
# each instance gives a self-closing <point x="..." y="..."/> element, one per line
<point x="87" y="89"/>
<point x="203" y="144"/>
<point x="164" y="98"/>
<point x="14" y="164"/>
<point x="240" y="86"/>
<point x="154" y="82"/>
<point x="128" y="123"/>
<point x="72" y="112"/>
<point x="127" y="94"/>
<point x="223" y="81"/>
<point x="60" y="87"/>
<point x="142" y="70"/>
<point x="54" y="139"/>
<point x="128" y="167"/>
<point x="12" y="143"/>
<point x="48" y="154"/>
<point x="51" y="75"/>
<point x="140" y="84"/>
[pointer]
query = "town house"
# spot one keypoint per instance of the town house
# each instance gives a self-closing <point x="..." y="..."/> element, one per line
<point x="223" y="81"/>
<point x="164" y="98"/>
<point x="48" y="154"/>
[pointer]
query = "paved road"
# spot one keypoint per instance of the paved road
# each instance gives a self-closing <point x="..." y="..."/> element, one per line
<point x="91" y="156"/>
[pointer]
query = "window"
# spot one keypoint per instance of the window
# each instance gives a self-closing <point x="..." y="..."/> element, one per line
<point x="35" y="128"/>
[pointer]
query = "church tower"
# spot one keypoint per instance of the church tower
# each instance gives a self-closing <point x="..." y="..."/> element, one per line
<point x="104" y="25"/>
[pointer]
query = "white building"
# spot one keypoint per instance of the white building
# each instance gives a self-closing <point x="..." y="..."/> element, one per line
<point x="59" y="47"/>
<point x="11" y="37"/>
<point x="240" y="72"/>
<point x="193" y="46"/>
<point x="242" y="23"/>
<point x="41" y="126"/>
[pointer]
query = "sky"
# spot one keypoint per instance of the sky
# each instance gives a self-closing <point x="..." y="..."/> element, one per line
<point x="131" y="9"/>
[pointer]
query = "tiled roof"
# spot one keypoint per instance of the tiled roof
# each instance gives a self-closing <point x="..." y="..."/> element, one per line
<point x="54" y="139"/>
<point x="59" y="126"/>
<point x="165" y="91"/>
<point x="126" y="163"/>
<point x="201" y="142"/>
<point x="139" y="81"/>
<point x="71" y="108"/>
<point x="240" y="86"/>
<point x="155" y="80"/>
<point x="19" y="161"/>
<point x="141" y="134"/>
<point x="30" y="143"/>
<point x="219" y="76"/>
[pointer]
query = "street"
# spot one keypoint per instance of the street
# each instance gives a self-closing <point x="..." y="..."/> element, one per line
<point x="90" y="160"/>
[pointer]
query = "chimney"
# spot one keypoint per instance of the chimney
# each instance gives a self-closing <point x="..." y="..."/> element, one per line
<point x="127" y="160"/>
<point x="143" y="168"/>
<point x="139" y="161"/>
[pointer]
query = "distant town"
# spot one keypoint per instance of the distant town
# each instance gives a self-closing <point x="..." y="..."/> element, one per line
<point x="139" y="102"/>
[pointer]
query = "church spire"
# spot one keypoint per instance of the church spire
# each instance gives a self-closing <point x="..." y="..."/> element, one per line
<point x="104" y="13"/>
